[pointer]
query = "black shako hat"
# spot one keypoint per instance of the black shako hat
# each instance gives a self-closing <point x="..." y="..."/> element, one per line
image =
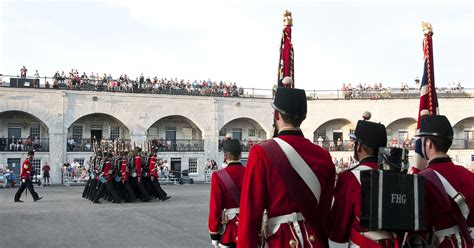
<point x="31" y="153"/>
<point x="437" y="126"/>
<point x="290" y="101"/>
<point x="370" y="134"/>
<point x="232" y="146"/>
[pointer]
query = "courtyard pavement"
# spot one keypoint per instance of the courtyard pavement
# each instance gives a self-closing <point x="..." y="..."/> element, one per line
<point x="64" y="219"/>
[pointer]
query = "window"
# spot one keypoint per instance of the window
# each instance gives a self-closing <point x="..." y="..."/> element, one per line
<point x="77" y="133"/>
<point x="193" y="165"/>
<point x="252" y="132"/>
<point x="237" y="133"/>
<point x="114" y="132"/>
<point x="223" y="132"/>
<point x="35" y="132"/>
<point x="352" y="131"/>
<point x="80" y="161"/>
<point x="36" y="166"/>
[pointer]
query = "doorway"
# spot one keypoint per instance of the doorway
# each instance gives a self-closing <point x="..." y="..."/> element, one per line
<point x="176" y="166"/>
<point x="337" y="139"/>
<point x="14" y="164"/>
<point x="14" y="132"/>
<point x="97" y="134"/>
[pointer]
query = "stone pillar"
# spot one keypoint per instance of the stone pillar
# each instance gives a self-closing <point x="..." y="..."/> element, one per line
<point x="57" y="155"/>
<point x="137" y="137"/>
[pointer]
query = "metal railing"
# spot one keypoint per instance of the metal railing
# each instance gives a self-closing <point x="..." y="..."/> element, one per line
<point x="175" y="88"/>
<point x="177" y="145"/>
<point x="245" y="144"/>
<point x="24" y="144"/>
<point x="87" y="145"/>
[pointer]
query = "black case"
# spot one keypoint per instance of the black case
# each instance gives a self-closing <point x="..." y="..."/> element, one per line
<point x="389" y="199"/>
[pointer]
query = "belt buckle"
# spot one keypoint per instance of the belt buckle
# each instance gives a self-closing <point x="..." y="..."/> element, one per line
<point x="459" y="198"/>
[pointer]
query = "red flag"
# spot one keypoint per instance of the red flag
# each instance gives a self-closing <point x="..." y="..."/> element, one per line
<point x="286" y="71"/>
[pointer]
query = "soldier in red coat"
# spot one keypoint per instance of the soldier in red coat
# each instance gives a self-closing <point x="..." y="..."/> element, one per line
<point x="129" y="195"/>
<point x="449" y="188"/>
<point x="344" y="218"/>
<point x="153" y="180"/>
<point x="224" y="202"/>
<point x="136" y="179"/>
<point x="25" y="177"/>
<point x="288" y="183"/>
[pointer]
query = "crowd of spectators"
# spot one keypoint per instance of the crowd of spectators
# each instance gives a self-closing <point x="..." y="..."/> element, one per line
<point x="20" y="144"/>
<point x="377" y="90"/>
<point x="141" y="84"/>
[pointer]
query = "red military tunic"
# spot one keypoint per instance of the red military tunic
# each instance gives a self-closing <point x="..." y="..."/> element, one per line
<point x="437" y="214"/>
<point x="152" y="167"/>
<point x="26" y="170"/>
<point x="221" y="199"/>
<point x="124" y="171"/>
<point x="138" y="165"/>
<point x="263" y="189"/>
<point x="107" y="167"/>
<point x="344" y="217"/>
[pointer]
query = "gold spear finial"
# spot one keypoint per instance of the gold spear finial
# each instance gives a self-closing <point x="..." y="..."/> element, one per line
<point x="427" y="28"/>
<point x="287" y="19"/>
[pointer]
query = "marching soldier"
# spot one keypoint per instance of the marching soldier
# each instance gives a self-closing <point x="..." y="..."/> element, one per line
<point x="154" y="181"/>
<point x="25" y="177"/>
<point x="107" y="182"/>
<point x="288" y="183"/>
<point x="344" y="218"/>
<point x="449" y="188"/>
<point x="129" y="195"/>
<point x="224" y="203"/>
<point x="136" y="179"/>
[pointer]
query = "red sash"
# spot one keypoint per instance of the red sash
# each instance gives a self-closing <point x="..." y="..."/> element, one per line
<point x="230" y="185"/>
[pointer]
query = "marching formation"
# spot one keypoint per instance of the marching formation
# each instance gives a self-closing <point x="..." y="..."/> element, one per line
<point x="124" y="177"/>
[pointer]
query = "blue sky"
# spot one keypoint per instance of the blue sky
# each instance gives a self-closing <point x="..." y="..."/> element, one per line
<point x="335" y="42"/>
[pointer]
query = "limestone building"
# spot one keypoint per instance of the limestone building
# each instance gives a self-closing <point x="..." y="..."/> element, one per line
<point x="60" y="125"/>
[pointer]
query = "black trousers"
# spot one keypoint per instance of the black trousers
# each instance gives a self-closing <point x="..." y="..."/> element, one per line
<point x="86" y="188"/>
<point x="23" y="186"/>
<point x="129" y="195"/>
<point x="100" y="192"/>
<point x="113" y="192"/>
<point x="143" y="194"/>
<point x="160" y="193"/>
<point x="92" y="189"/>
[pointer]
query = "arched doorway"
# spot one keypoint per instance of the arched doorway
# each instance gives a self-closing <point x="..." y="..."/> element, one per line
<point x="21" y="131"/>
<point x="463" y="134"/>
<point x="400" y="133"/>
<point x="176" y="133"/>
<point x="96" y="128"/>
<point x="247" y="130"/>
<point x="333" y="135"/>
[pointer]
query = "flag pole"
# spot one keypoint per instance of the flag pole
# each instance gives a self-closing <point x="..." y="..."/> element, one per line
<point x="428" y="98"/>
<point x="286" y="76"/>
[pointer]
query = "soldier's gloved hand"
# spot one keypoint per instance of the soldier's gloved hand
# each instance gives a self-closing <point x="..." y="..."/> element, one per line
<point x="23" y="180"/>
<point x="215" y="243"/>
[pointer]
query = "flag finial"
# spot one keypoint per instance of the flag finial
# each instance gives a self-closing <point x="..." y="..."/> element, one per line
<point x="287" y="19"/>
<point x="427" y="28"/>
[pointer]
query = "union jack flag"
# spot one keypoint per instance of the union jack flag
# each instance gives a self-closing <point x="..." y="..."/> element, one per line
<point x="428" y="97"/>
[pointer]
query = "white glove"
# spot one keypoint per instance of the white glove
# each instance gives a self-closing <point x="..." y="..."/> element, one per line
<point x="23" y="180"/>
<point x="215" y="243"/>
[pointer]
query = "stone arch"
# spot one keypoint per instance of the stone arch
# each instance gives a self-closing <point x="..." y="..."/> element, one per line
<point x="401" y="129"/>
<point x="188" y="129"/>
<point x="107" y="124"/>
<point x="249" y="129"/>
<point x="464" y="129"/>
<point x="332" y="129"/>
<point x="16" y="126"/>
